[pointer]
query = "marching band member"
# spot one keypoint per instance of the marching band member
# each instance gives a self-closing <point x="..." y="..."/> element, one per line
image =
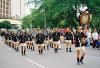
<point x="40" y="37"/>
<point x="22" y="40"/>
<point x="56" y="40"/>
<point x="30" y="41"/>
<point x="80" y="44"/>
<point x="15" y="41"/>
<point x="68" y="40"/>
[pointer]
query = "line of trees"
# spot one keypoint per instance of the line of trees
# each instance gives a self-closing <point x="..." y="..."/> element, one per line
<point x="60" y="13"/>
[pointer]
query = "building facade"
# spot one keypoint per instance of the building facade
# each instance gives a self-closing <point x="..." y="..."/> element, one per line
<point x="5" y="9"/>
<point x="18" y="8"/>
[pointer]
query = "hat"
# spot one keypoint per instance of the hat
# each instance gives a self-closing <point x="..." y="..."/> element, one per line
<point x="79" y="27"/>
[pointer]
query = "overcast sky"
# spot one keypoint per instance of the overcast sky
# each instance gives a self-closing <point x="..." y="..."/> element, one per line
<point x="15" y="8"/>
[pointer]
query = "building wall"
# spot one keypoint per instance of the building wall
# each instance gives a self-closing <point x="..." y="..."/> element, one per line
<point x="5" y="8"/>
<point x="18" y="8"/>
<point x="16" y="22"/>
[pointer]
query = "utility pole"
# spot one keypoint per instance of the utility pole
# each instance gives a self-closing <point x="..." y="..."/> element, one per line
<point x="44" y="19"/>
<point x="20" y="9"/>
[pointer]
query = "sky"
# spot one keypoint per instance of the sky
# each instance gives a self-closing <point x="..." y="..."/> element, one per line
<point x="15" y="8"/>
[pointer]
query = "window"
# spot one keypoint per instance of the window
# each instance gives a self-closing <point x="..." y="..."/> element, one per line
<point x="1" y="1"/>
<point x="3" y="6"/>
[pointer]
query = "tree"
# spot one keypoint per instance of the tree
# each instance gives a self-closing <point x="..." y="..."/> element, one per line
<point x="5" y="24"/>
<point x="57" y="11"/>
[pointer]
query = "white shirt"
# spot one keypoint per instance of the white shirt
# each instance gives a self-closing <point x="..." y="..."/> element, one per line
<point x="95" y="36"/>
<point x="88" y="34"/>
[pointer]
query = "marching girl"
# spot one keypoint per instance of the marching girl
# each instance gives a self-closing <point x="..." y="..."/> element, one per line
<point x="15" y="42"/>
<point x="56" y="40"/>
<point x="40" y="37"/>
<point x="80" y="45"/>
<point x="30" y="39"/>
<point x="68" y="40"/>
<point x="22" y="43"/>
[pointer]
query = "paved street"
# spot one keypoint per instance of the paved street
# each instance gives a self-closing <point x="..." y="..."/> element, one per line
<point x="11" y="59"/>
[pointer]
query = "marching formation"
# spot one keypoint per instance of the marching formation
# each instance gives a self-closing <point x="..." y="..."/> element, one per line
<point x="41" y="40"/>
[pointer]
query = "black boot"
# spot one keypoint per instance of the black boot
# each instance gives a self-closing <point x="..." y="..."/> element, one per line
<point x="33" y="48"/>
<point x="66" y="49"/>
<point x="47" y="47"/>
<point x="55" y="50"/>
<point x="22" y="50"/>
<point x="17" y="49"/>
<point x="78" y="61"/>
<point x="81" y="60"/>
<point x="29" y="46"/>
<point x="70" y="50"/>
<point x="51" y="45"/>
<point x="39" y="52"/>
<point x="22" y="53"/>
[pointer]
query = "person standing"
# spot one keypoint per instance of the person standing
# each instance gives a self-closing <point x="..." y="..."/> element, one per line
<point x="68" y="40"/>
<point x="95" y="38"/>
<point x="15" y="41"/>
<point x="40" y="37"/>
<point x="56" y="40"/>
<point x="22" y="40"/>
<point x="80" y="44"/>
<point x="88" y="39"/>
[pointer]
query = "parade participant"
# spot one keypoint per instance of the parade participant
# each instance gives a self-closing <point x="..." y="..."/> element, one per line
<point x="33" y="43"/>
<point x="30" y="41"/>
<point x="9" y="35"/>
<point x="56" y="40"/>
<point x="22" y="40"/>
<point x="40" y="37"/>
<point x="68" y="40"/>
<point x="46" y="41"/>
<point x="95" y="38"/>
<point x="6" y="36"/>
<point x="79" y="44"/>
<point x="27" y="40"/>
<point x="50" y="39"/>
<point x="15" y="42"/>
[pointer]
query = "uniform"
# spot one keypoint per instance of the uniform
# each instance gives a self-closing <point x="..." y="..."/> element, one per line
<point x="15" y="42"/>
<point x="56" y="41"/>
<point x="22" y="40"/>
<point x="68" y="41"/>
<point x="80" y="45"/>
<point x="40" y="37"/>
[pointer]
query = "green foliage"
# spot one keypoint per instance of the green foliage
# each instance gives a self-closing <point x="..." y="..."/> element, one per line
<point x="5" y="24"/>
<point x="60" y="13"/>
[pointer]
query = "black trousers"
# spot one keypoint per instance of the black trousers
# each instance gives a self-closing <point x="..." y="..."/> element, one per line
<point x="94" y="43"/>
